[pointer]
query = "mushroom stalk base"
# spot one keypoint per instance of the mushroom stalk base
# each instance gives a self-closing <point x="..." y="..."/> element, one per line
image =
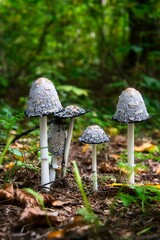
<point x="130" y="152"/>
<point x="67" y="146"/>
<point x="44" y="151"/>
<point x="94" y="167"/>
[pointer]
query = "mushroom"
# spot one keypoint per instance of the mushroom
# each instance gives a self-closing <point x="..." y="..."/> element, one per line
<point x="71" y="112"/>
<point x="94" y="134"/>
<point x="130" y="109"/>
<point x="56" y="143"/>
<point x="43" y="100"/>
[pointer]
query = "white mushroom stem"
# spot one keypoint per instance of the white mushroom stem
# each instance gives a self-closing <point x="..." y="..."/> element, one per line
<point x="67" y="146"/>
<point x="54" y="166"/>
<point x="130" y="152"/>
<point x="94" y="167"/>
<point x="44" y="151"/>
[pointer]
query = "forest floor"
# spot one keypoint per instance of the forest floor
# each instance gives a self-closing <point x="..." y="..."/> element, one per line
<point x="125" y="212"/>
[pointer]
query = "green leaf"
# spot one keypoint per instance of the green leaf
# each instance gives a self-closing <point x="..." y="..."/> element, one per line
<point x="69" y="88"/>
<point x="145" y="230"/>
<point x="16" y="152"/>
<point x="126" y="199"/>
<point x="136" y="49"/>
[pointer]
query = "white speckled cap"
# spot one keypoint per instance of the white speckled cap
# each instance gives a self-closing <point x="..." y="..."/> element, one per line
<point x="57" y="138"/>
<point x="94" y="135"/>
<point x="131" y="107"/>
<point x="43" y="99"/>
<point x="71" y="111"/>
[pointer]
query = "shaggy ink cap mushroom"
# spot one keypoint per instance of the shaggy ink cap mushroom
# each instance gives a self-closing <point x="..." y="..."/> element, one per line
<point x="43" y="99"/>
<point x="70" y="112"/>
<point x="94" y="135"/>
<point x="57" y="138"/>
<point x="131" y="107"/>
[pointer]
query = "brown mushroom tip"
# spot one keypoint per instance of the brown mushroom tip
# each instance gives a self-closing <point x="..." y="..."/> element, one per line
<point x="131" y="107"/>
<point x="71" y="111"/>
<point x="94" y="134"/>
<point x="43" y="99"/>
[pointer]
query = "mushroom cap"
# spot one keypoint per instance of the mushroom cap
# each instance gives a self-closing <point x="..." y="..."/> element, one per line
<point x="94" y="134"/>
<point x="70" y="112"/>
<point x="57" y="138"/>
<point x="43" y="99"/>
<point x="131" y="107"/>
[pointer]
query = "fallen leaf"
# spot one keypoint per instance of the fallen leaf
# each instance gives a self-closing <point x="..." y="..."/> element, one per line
<point x="77" y="222"/>
<point x="57" y="234"/>
<point x="7" y="193"/>
<point x="36" y="216"/>
<point x="114" y="156"/>
<point x="158" y="170"/>
<point x="24" y="198"/>
<point x="59" y="203"/>
<point x="85" y="148"/>
<point x="107" y="168"/>
<point x="10" y="165"/>
<point x="146" y="147"/>
<point x="131" y="185"/>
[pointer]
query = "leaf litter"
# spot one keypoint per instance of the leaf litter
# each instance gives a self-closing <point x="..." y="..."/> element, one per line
<point x="24" y="217"/>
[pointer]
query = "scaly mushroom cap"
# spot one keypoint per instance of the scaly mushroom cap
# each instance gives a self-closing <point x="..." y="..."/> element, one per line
<point x="57" y="138"/>
<point x="131" y="107"/>
<point x="70" y="112"/>
<point x="94" y="135"/>
<point x="43" y="99"/>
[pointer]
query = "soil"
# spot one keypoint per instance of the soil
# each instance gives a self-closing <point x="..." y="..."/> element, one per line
<point x="23" y="217"/>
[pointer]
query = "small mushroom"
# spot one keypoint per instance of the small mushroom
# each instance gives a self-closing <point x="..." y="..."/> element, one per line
<point x="43" y="100"/>
<point x="56" y="143"/>
<point x="94" y="135"/>
<point x="130" y="109"/>
<point x="71" y="112"/>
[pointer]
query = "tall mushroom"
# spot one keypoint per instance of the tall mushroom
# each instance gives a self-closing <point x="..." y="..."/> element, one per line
<point x="56" y="143"/>
<point x="130" y="109"/>
<point x="71" y="112"/>
<point x="94" y="134"/>
<point x="43" y="100"/>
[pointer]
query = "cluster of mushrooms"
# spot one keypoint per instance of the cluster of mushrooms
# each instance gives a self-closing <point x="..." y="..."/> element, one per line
<point x="43" y="101"/>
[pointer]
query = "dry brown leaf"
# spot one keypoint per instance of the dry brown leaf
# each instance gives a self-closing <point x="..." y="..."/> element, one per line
<point x="114" y="156"/>
<point x="35" y="215"/>
<point x="10" y="165"/>
<point x="85" y="148"/>
<point x="57" y="234"/>
<point x="47" y="198"/>
<point x="158" y="170"/>
<point x="106" y="168"/>
<point x="77" y="222"/>
<point x="59" y="203"/>
<point x="7" y="193"/>
<point x="20" y="146"/>
<point x="146" y="147"/>
<point x="25" y="199"/>
<point x="141" y="170"/>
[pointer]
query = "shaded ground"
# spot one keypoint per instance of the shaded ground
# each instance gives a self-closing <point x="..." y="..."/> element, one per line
<point x="22" y="217"/>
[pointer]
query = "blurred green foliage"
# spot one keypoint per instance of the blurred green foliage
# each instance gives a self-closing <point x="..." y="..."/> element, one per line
<point x="90" y="49"/>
